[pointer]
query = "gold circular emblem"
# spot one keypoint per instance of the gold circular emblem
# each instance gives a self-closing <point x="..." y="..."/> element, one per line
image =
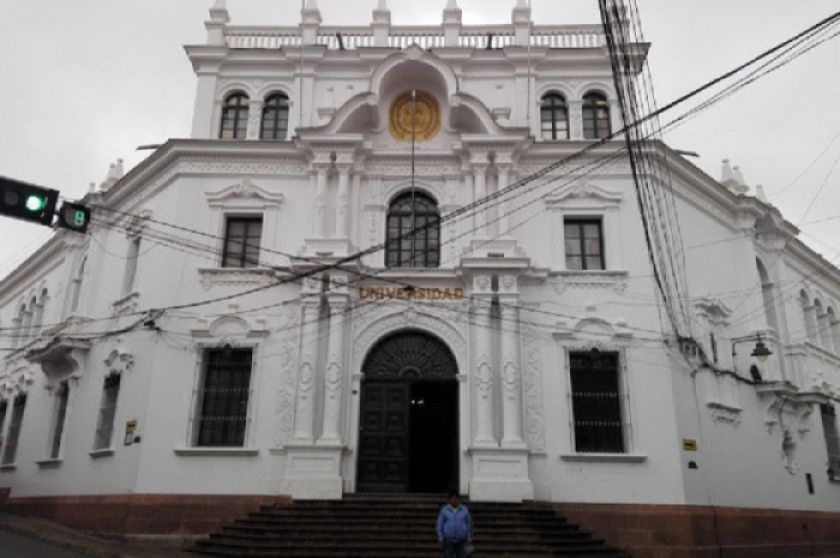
<point x="425" y="115"/>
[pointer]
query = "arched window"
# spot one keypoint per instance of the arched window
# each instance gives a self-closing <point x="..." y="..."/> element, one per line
<point x="767" y="296"/>
<point x="418" y="213"/>
<point x="834" y="327"/>
<point x="275" y="118"/>
<point x="554" y="117"/>
<point x="823" y="332"/>
<point x="235" y="117"/>
<point x="596" y="116"/>
<point x="76" y="288"/>
<point x="808" y="316"/>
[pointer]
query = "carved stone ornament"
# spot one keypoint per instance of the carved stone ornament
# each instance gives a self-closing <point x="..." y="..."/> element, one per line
<point x="532" y="342"/>
<point x="244" y="189"/>
<point x="570" y="280"/>
<point x="289" y="326"/>
<point x="119" y="361"/>
<point x="484" y="376"/>
<point x="214" y="277"/>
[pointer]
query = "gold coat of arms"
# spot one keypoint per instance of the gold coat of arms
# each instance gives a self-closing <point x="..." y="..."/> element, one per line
<point x="422" y="115"/>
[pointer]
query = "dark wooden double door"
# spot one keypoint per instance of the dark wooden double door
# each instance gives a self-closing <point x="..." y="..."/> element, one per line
<point x="408" y="439"/>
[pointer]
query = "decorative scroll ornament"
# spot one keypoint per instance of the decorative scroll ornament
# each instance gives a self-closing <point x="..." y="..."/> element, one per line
<point x="425" y="114"/>
<point x="119" y="361"/>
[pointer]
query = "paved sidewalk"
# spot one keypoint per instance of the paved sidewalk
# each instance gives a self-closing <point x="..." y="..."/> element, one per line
<point x="44" y="539"/>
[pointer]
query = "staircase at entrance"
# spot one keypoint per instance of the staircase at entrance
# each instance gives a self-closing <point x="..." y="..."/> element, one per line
<point x="373" y="526"/>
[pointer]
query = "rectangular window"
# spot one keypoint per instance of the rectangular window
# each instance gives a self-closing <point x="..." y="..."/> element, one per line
<point x="584" y="244"/>
<point x="596" y="402"/>
<point x="224" y="393"/>
<point x="60" y="414"/>
<point x="10" y="451"/>
<point x="242" y="242"/>
<point x="832" y="440"/>
<point x="107" y="409"/>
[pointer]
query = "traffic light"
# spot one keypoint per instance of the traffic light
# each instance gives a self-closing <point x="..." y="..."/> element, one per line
<point x="27" y="202"/>
<point x="74" y="216"/>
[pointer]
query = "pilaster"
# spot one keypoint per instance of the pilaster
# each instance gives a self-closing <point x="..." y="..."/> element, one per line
<point x="484" y="365"/>
<point x="255" y="110"/>
<point x="305" y="396"/>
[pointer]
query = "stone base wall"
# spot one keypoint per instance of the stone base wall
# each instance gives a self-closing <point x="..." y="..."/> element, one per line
<point x="141" y="514"/>
<point x="657" y="531"/>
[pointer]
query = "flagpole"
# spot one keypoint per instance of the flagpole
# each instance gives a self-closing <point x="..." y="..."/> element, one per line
<point x="413" y="142"/>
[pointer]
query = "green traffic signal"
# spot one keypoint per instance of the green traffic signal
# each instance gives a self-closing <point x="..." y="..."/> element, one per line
<point x="35" y="203"/>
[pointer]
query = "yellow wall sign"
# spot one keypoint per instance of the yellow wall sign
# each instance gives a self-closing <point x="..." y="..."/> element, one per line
<point x="689" y="444"/>
<point x="424" y="115"/>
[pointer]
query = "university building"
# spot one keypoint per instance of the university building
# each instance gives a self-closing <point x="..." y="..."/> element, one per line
<point x="213" y="342"/>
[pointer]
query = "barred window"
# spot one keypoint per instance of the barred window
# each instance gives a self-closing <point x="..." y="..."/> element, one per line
<point x="418" y="213"/>
<point x="596" y="402"/>
<point x="235" y="117"/>
<point x="832" y="440"/>
<point x="596" y="116"/>
<point x="107" y="411"/>
<point x="242" y="242"/>
<point x="275" y="118"/>
<point x="584" y="243"/>
<point x="60" y="414"/>
<point x="10" y="451"/>
<point x="554" y="117"/>
<point x="223" y="412"/>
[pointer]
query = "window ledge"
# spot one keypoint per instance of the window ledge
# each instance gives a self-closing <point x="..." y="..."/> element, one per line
<point x="50" y="463"/>
<point x="8" y="467"/>
<point x="607" y="279"/>
<point x="605" y="457"/>
<point x="211" y="277"/>
<point x="96" y="454"/>
<point x="216" y="452"/>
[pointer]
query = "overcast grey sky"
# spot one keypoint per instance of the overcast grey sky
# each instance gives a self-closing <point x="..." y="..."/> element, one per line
<point x="86" y="81"/>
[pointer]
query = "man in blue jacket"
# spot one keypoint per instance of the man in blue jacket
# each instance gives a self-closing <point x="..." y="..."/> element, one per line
<point x="454" y="528"/>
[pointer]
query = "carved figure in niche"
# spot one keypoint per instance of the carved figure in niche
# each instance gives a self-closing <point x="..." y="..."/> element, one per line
<point x="789" y="453"/>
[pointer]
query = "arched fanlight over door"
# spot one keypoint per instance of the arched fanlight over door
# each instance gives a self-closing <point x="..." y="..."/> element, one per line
<point x="410" y="355"/>
<point x="415" y="213"/>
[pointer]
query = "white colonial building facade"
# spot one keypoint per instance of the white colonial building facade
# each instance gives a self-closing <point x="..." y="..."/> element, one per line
<point x="215" y="333"/>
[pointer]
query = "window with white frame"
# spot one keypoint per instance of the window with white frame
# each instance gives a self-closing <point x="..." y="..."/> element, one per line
<point x="832" y="440"/>
<point x="107" y="411"/>
<point x="597" y="409"/>
<point x="10" y="449"/>
<point x="242" y="242"/>
<point x="223" y="396"/>
<point x="60" y="413"/>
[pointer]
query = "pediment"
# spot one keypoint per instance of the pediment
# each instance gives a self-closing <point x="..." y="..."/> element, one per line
<point x="245" y="190"/>
<point x="585" y="191"/>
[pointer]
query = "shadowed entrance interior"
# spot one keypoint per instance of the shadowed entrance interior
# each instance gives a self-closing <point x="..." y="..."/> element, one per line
<point x="408" y="429"/>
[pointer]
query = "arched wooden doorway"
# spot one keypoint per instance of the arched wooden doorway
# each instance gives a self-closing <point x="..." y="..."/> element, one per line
<point x="408" y="429"/>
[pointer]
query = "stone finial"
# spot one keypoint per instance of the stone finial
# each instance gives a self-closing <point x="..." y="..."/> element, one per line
<point x="382" y="15"/>
<point x="219" y="12"/>
<point x="726" y="172"/>
<point x="521" y="19"/>
<point x="115" y="173"/>
<point x="311" y="13"/>
<point x="451" y="23"/>
<point x="760" y="194"/>
<point x="736" y="172"/>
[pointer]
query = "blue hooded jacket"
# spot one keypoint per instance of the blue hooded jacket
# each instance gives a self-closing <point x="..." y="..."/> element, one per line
<point x="454" y="524"/>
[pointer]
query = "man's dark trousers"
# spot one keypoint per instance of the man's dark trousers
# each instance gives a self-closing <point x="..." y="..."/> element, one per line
<point x="454" y="549"/>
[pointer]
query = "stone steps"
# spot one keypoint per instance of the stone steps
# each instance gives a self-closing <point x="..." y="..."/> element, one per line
<point x="373" y="526"/>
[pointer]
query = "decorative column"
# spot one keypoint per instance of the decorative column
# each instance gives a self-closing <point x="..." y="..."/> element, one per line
<point x="319" y="223"/>
<point x="255" y="110"/>
<point x="575" y="118"/>
<point x="305" y="398"/>
<point x="484" y="375"/>
<point x="310" y="22"/>
<point x="342" y="201"/>
<point x="503" y="165"/>
<point x="334" y="372"/>
<point x="511" y="366"/>
<point x="480" y="177"/>
<point x="469" y="188"/>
